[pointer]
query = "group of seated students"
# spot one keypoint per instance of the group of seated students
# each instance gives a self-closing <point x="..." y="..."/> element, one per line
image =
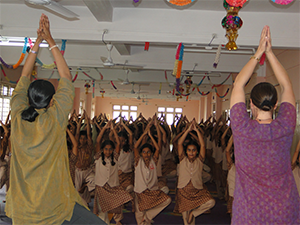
<point x="118" y="161"/>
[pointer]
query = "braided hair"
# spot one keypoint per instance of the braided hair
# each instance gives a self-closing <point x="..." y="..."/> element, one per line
<point x="112" y="144"/>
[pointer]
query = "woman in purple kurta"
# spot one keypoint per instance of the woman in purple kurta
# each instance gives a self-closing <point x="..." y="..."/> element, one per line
<point x="265" y="191"/>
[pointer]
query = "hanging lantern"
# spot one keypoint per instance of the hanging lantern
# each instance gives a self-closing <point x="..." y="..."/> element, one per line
<point x="188" y="82"/>
<point x="87" y="86"/>
<point x="102" y="94"/>
<point x="231" y="22"/>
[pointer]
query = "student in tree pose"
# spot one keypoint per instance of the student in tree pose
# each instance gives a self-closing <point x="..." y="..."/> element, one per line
<point x="149" y="200"/>
<point x="109" y="195"/>
<point x="191" y="199"/>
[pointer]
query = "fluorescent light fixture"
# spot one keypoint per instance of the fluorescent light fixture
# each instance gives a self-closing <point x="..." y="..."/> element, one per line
<point x="18" y="41"/>
<point x="20" y="44"/>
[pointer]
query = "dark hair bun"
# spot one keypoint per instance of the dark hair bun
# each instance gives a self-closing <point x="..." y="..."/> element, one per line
<point x="29" y="114"/>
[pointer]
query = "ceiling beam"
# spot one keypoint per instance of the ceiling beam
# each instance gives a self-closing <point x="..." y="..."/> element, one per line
<point x="102" y="10"/>
<point x="123" y="49"/>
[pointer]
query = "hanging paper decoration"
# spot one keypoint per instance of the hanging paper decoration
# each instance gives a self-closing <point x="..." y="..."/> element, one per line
<point x="102" y="93"/>
<point x="231" y="22"/>
<point x="93" y="88"/>
<point x="180" y="2"/>
<point x="20" y="59"/>
<point x="282" y="2"/>
<point x="87" y="86"/>
<point x="146" y="46"/>
<point x="136" y="1"/>
<point x="217" y="59"/>
<point x="236" y="3"/>
<point x="178" y="64"/>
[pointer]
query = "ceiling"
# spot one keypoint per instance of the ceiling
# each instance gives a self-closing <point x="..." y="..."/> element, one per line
<point x="129" y="25"/>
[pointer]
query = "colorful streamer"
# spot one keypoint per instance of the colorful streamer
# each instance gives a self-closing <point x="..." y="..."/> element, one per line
<point x="93" y="88"/>
<point x="4" y="74"/>
<point x="20" y="59"/>
<point x="53" y="65"/>
<point x="75" y="77"/>
<point x="202" y="93"/>
<point x="159" y="92"/>
<point x="222" y="95"/>
<point x="87" y="74"/>
<point x="113" y="85"/>
<point x="218" y="85"/>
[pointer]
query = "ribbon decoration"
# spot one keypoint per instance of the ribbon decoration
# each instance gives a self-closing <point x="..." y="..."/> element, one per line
<point x="4" y="74"/>
<point x="20" y="59"/>
<point x="75" y="77"/>
<point x="218" y="85"/>
<point x="222" y="95"/>
<point x="146" y="48"/>
<point x="92" y="78"/>
<point x="101" y="76"/>
<point x="113" y="85"/>
<point x="53" y="65"/>
<point x="202" y="93"/>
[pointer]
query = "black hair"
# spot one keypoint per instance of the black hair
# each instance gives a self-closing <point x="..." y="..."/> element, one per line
<point x="40" y="93"/>
<point x="192" y="143"/>
<point x="112" y="144"/>
<point x="126" y="146"/>
<point x="83" y="133"/>
<point x="264" y="96"/>
<point x="147" y="145"/>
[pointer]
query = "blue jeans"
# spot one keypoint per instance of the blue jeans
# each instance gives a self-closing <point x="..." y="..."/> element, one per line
<point x="83" y="216"/>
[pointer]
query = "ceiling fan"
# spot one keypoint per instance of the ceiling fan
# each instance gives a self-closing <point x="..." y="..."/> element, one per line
<point x="109" y="63"/>
<point x="54" y="6"/>
<point x="126" y="81"/>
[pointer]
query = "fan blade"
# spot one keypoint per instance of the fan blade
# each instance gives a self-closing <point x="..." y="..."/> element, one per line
<point x="128" y="66"/>
<point x="103" y="59"/>
<point x="56" y="7"/>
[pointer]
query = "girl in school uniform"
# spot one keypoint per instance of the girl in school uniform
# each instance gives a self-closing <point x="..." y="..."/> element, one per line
<point x="126" y="158"/>
<point x="149" y="200"/>
<point x="191" y="198"/>
<point x="231" y="174"/>
<point x="109" y="196"/>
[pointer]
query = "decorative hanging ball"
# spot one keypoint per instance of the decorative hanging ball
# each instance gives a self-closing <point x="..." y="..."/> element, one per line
<point x="136" y="1"/>
<point x="180" y="2"/>
<point x="236" y="3"/>
<point x="282" y="2"/>
<point x="87" y="86"/>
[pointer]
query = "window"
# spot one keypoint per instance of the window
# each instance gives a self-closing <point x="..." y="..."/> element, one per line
<point x="81" y="107"/>
<point x="5" y="96"/>
<point x="170" y="113"/>
<point x="126" y="111"/>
